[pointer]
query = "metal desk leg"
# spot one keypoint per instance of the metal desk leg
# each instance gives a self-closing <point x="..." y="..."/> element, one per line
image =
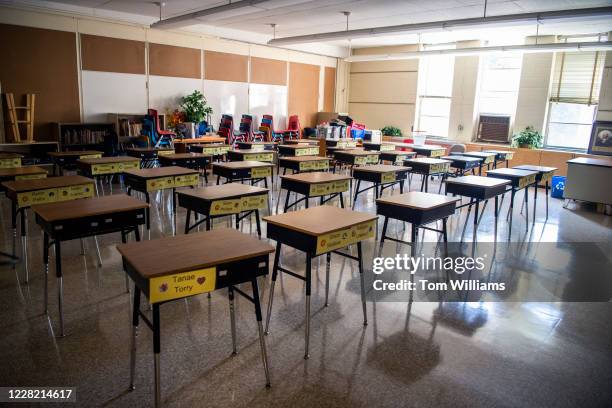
<point x="187" y="220"/>
<point x="535" y="200"/>
<point x="308" y="289"/>
<point x="341" y="200"/>
<point x="356" y="193"/>
<point x="258" y="223"/>
<point x="327" y="268"/>
<point x="272" y="283"/>
<point x="546" y="199"/>
<point x="262" y="340"/>
<point x="46" y="263"/>
<point x="24" y="243"/>
<point x="362" y="278"/>
<point x="511" y="210"/>
<point x="14" y="224"/>
<point x="527" y="208"/>
<point x="230" y="294"/>
<point x="476" y="207"/>
<point x="135" y="318"/>
<point x="60" y="284"/>
<point x="156" y="351"/>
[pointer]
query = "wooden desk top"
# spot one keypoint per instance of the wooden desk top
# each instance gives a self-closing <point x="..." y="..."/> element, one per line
<point x="183" y="253"/>
<point x="426" y="160"/>
<point x="316" y="177"/>
<point x="462" y="158"/>
<point x="212" y="145"/>
<point x="427" y="147"/>
<point x="203" y="139"/>
<point x="180" y="156"/>
<point x="418" y="200"/>
<point x="8" y="155"/>
<point x="397" y="152"/>
<point x="246" y="164"/>
<point x="298" y="141"/>
<point x="260" y="143"/>
<point x="319" y="220"/>
<point x="21" y="171"/>
<point x="296" y="146"/>
<point x="160" y="172"/>
<point x="339" y="148"/>
<point x="603" y="162"/>
<point x="304" y="158"/>
<point x="479" y="154"/>
<point x="148" y="149"/>
<point x="510" y="173"/>
<point x="478" y="181"/>
<point x="105" y="160"/>
<point x="539" y="169"/>
<point x="381" y="168"/>
<point x="224" y="191"/>
<point x="251" y="151"/>
<point x="87" y="207"/>
<point x="498" y="151"/>
<point x="20" y="186"/>
<point x="359" y="152"/>
<point x="75" y="153"/>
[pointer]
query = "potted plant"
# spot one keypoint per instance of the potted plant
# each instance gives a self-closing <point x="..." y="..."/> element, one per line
<point x="195" y="110"/>
<point x="528" y="138"/>
<point x="391" y="131"/>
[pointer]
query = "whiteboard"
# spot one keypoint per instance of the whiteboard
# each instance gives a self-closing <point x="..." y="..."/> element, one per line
<point x="269" y="100"/>
<point x="111" y="92"/>
<point x="166" y="92"/>
<point x="227" y="97"/>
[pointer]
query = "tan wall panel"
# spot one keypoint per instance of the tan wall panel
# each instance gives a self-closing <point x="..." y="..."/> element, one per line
<point x="389" y="87"/>
<point x="112" y="54"/>
<point x="222" y="66"/>
<point x="377" y="116"/>
<point x="304" y="92"/>
<point x="268" y="71"/>
<point x="169" y="60"/>
<point x="329" y="94"/>
<point x="42" y="62"/>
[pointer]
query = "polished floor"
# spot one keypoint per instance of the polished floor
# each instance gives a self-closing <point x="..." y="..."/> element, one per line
<point x="420" y="354"/>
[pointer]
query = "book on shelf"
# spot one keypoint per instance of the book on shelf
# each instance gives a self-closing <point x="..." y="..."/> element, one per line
<point x="129" y="127"/>
<point x="77" y="136"/>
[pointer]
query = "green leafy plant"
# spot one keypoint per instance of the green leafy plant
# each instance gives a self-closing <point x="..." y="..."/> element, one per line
<point x="391" y="131"/>
<point x="194" y="106"/>
<point x="529" y="137"/>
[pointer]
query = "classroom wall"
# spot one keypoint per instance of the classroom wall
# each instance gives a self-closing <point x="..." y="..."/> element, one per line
<point x="383" y="93"/>
<point x="464" y="104"/>
<point x="107" y="67"/>
<point x="604" y="110"/>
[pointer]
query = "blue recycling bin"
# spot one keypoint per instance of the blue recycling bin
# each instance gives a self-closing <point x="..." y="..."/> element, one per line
<point x="558" y="186"/>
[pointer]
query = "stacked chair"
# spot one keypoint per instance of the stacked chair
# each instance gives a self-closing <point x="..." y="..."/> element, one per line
<point x="159" y="137"/>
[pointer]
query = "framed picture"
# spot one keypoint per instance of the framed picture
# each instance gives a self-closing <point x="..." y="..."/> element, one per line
<point x="601" y="138"/>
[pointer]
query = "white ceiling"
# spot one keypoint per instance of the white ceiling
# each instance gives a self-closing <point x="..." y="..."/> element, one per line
<point x="298" y="17"/>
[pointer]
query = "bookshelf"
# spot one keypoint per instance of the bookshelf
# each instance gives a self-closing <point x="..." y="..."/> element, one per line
<point x="81" y="136"/>
<point x="129" y="125"/>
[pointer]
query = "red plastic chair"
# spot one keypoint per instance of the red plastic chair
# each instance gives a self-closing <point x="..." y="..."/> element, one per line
<point x="163" y="134"/>
<point x="294" y="129"/>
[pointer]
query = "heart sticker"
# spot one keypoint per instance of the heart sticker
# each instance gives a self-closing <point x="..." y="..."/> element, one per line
<point x="163" y="287"/>
<point x="201" y="279"/>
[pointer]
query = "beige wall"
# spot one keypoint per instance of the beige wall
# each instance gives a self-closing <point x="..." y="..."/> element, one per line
<point x="463" y="108"/>
<point x="383" y="93"/>
<point x="604" y="111"/>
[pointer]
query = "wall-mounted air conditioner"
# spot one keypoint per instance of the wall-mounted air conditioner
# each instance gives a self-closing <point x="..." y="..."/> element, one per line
<point x="493" y="128"/>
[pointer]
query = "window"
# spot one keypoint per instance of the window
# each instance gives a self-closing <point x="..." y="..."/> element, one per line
<point x="435" y="90"/>
<point x="574" y="96"/>
<point x="500" y="78"/>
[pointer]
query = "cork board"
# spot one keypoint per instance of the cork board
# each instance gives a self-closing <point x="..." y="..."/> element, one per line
<point x="222" y="66"/>
<point x="304" y="92"/>
<point x="268" y="71"/>
<point x="329" y="95"/>
<point x="112" y="54"/>
<point x="42" y="62"/>
<point x="172" y="61"/>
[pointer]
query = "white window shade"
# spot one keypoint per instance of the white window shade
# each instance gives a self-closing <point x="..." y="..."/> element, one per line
<point x="577" y="77"/>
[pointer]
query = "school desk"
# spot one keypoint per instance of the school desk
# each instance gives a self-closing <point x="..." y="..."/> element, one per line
<point x="251" y="155"/>
<point x="381" y="147"/>
<point x="148" y="155"/>
<point x="347" y="143"/>
<point x="478" y="189"/>
<point x="254" y="171"/>
<point x="312" y="142"/>
<point x="26" y="193"/>
<point x="105" y="166"/>
<point x="90" y="217"/>
<point x="224" y="200"/>
<point x="429" y="150"/>
<point x="182" y="145"/>
<point x="315" y="184"/>
<point x="300" y="164"/>
<point x="10" y="160"/>
<point x="217" y="151"/>
<point x="173" y="268"/>
<point x="418" y="209"/>
<point x="487" y="159"/>
<point x="545" y="175"/>
<point x="257" y="145"/>
<point x="195" y="161"/>
<point x="318" y="231"/>
<point x="519" y="179"/>
<point x="297" y="150"/>
<point x="159" y="178"/>
<point x="501" y="156"/>
<point x="428" y="167"/>
<point x="21" y="173"/>
<point x="381" y="176"/>
<point x="589" y="179"/>
<point x="395" y="156"/>
<point x="68" y="160"/>
<point x="463" y="164"/>
<point x="355" y="157"/>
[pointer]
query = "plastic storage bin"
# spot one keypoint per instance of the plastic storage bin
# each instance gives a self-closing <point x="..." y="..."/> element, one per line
<point x="558" y="186"/>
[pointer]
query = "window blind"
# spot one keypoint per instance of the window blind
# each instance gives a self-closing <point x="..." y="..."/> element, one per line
<point x="577" y="77"/>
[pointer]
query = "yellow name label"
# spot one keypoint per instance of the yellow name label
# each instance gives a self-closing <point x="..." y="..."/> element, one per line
<point x="181" y="285"/>
<point x="372" y="159"/>
<point x="328" y="188"/>
<point x="360" y="160"/>
<point x="164" y="152"/>
<point x="547" y="176"/>
<point x="314" y="165"/>
<point x="346" y="143"/>
<point x="10" y="163"/>
<point x="186" y="180"/>
<point x="509" y="155"/>
<point x="264" y="157"/>
<point x="526" y="181"/>
<point x="489" y="159"/>
<point x="260" y="172"/>
<point x="112" y="168"/>
<point x="171" y="182"/>
<point x="90" y="156"/>
<point x="222" y="207"/>
<point x="258" y="147"/>
<point x="52" y="195"/>
<point x="31" y="176"/>
<point x="254" y="202"/>
<point x="345" y="237"/>
<point x="211" y="150"/>
<point x="439" y="168"/>
<point x="400" y="158"/>
<point x="437" y="153"/>
<point x="389" y="177"/>
<point x="386" y="147"/>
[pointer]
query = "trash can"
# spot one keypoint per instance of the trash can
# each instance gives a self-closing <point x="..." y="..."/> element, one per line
<point x="558" y="186"/>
